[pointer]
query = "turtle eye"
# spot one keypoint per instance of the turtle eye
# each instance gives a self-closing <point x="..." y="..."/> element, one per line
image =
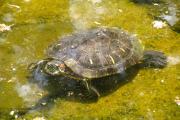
<point x="52" y="69"/>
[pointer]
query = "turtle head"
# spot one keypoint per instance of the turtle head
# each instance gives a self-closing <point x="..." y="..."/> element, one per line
<point x="54" y="67"/>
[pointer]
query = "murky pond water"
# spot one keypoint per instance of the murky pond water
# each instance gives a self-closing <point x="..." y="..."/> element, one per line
<point x="27" y="27"/>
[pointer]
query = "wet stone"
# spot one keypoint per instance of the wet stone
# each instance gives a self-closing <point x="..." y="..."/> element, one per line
<point x="167" y="12"/>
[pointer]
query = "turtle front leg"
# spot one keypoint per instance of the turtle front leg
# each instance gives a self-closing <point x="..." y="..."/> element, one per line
<point x="92" y="91"/>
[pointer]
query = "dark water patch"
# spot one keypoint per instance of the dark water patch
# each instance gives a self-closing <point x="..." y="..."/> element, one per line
<point x="4" y="115"/>
<point x="146" y="1"/>
<point x="176" y="27"/>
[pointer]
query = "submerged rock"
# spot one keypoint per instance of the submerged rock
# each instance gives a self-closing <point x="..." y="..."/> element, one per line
<point x="167" y="12"/>
<point x="171" y="17"/>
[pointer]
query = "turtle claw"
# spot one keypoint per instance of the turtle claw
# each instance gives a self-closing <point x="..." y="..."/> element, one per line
<point x="92" y="92"/>
<point x="91" y="95"/>
<point x="95" y="91"/>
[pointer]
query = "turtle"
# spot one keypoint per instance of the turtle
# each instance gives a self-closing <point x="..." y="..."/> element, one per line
<point x="97" y="53"/>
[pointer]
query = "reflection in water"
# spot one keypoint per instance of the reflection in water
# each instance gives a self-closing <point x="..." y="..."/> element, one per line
<point x="30" y="93"/>
<point x="85" y="13"/>
<point x="70" y="89"/>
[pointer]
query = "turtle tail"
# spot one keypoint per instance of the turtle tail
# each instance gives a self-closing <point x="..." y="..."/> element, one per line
<point x="154" y="59"/>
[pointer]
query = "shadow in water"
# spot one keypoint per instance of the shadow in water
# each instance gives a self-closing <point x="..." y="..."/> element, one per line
<point x="74" y="90"/>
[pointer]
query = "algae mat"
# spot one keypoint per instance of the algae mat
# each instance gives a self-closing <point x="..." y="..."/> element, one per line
<point x="27" y="27"/>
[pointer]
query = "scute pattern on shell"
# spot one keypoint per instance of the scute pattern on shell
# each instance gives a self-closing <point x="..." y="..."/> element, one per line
<point x="97" y="52"/>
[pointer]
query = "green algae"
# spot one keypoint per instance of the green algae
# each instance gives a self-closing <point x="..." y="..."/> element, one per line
<point x="149" y="96"/>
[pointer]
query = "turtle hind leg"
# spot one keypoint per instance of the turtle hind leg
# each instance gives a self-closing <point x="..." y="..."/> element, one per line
<point x="154" y="59"/>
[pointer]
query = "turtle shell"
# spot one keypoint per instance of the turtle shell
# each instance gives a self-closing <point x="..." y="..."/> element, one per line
<point x="97" y="52"/>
